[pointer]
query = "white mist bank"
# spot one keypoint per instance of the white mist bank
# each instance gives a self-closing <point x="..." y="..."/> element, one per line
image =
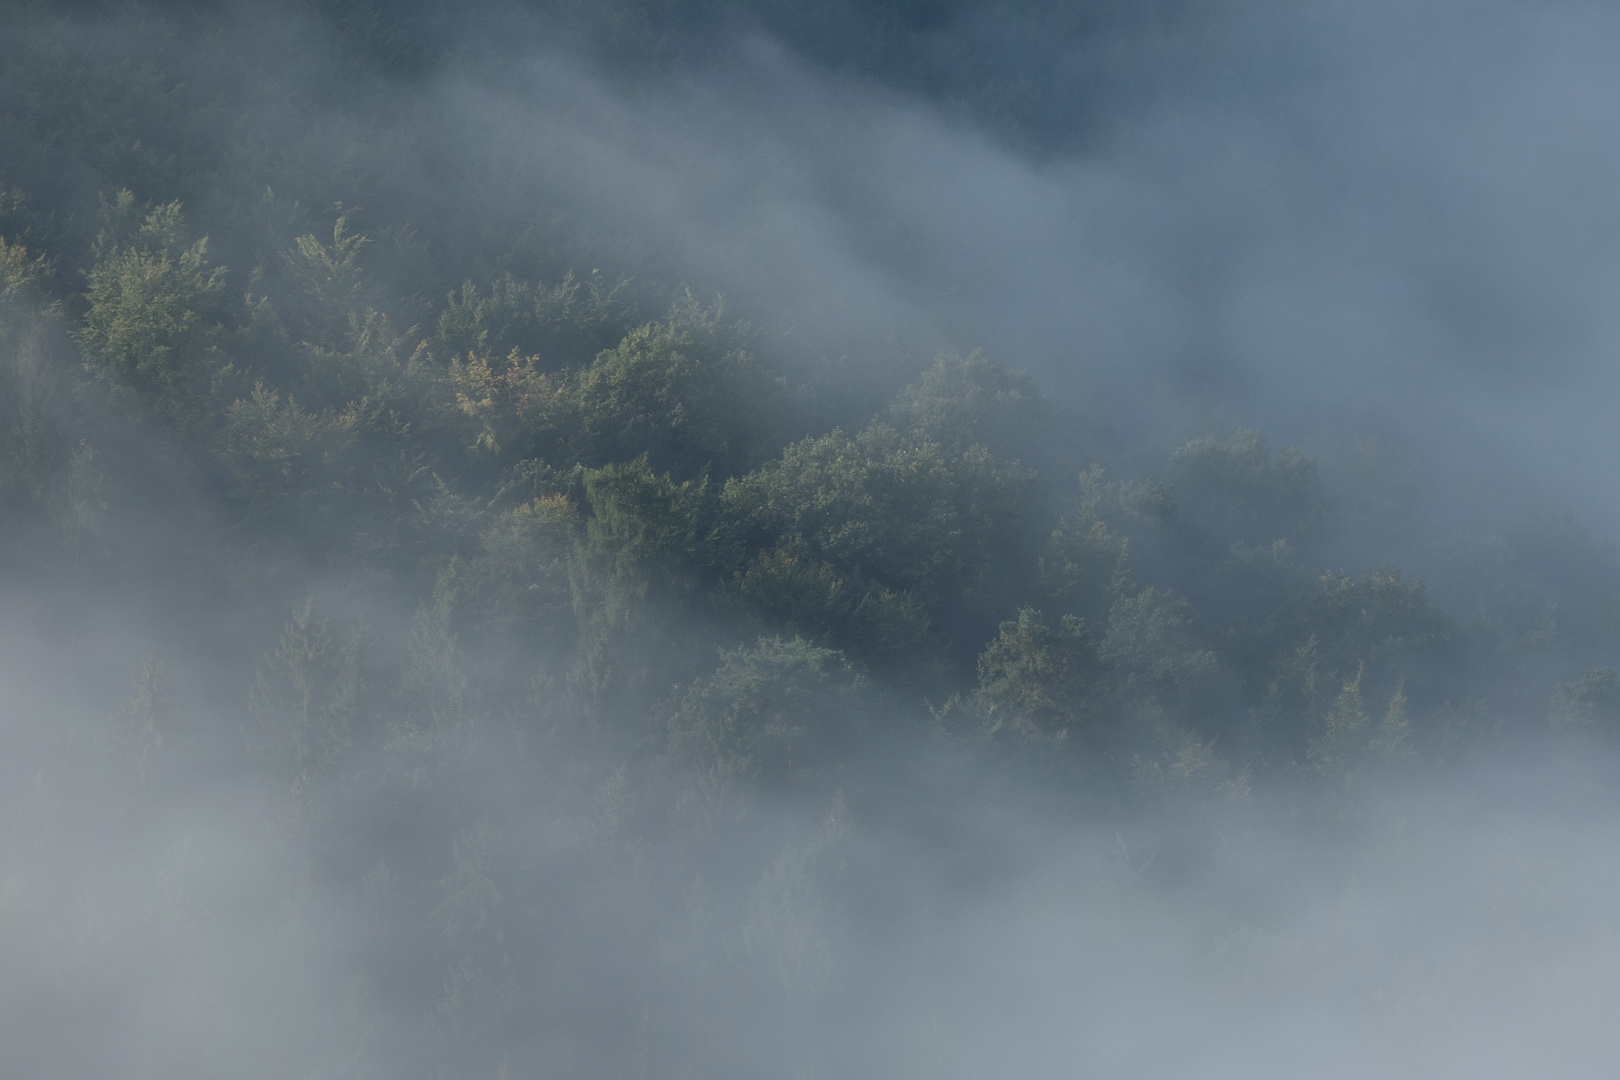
<point x="162" y="916"/>
<point x="1455" y="926"/>
<point x="1322" y="222"/>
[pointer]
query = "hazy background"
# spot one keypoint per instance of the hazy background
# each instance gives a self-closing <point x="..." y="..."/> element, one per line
<point x="1309" y="220"/>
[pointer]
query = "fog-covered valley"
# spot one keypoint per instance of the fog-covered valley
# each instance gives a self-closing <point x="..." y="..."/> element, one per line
<point x="757" y="539"/>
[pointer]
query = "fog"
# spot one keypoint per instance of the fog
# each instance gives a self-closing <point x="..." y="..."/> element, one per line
<point x="1456" y="923"/>
<point x="1308" y="220"/>
<point x="359" y="720"/>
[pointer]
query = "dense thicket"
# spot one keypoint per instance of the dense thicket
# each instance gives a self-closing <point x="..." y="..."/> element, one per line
<point x="554" y="579"/>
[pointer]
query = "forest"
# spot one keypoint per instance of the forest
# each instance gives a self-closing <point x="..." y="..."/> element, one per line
<point x="468" y="614"/>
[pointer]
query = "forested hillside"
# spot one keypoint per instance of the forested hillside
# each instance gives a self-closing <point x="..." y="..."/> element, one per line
<point x="452" y="636"/>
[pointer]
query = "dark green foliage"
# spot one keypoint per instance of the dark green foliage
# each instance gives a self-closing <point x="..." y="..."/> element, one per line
<point x="1282" y="721"/>
<point x="439" y="699"/>
<point x="279" y="452"/>
<point x="1377" y="635"/>
<point x="1234" y="495"/>
<point x="645" y="528"/>
<point x="895" y="507"/>
<point x="306" y="700"/>
<point x="523" y="571"/>
<point x="1379" y="620"/>
<point x="35" y="451"/>
<point x="775" y="711"/>
<point x="1351" y="740"/>
<point x="634" y="581"/>
<point x="360" y="39"/>
<point x="555" y="321"/>
<point x="1591" y="704"/>
<point x="965" y="401"/>
<point x="20" y="273"/>
<point x="1154" y="639"/>
<point x="888" y="629"/>
<point x="149" y="327"/>
<point x="326" y="287"/>
<point x="1084" y="566"/>
<point x="1035" y="679"/>
<point x="676" y="392"/>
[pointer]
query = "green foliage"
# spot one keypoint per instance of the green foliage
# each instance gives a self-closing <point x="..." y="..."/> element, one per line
<point x="20" y="274"/>
<point x="774" y="711"/>
<point x="327" y="285"/>
<point x="279" y="453"/>
<point x="306" y="697"/>
<point x="511" y="402"/>
<point x="439" y="701"/>
<point x="35" y="451"/>
<point x="885" y="628"/>
<point x="644" y="556"/>
<point x="1341" y="632"/>
<point x="1035" y="679"/>
<point x="965" y="401"/>
<point x="674" y="392"/>
<point x="1174" y="764"/>
<point x="1350" y="741"/>
<point x="644" y="527"/>
<point x="149" y="329"/>
<point x="1591" y="704"/>
<point x="352" y="481"/>
<point x="1379" y="620"/>
<point x="379" y="366"/>
<point x="1234" y="493"/>
<point x="1154" y="638"/>
<point x="359" y="38"/>
<point x="522" y="574"/>
<point x="529" y="318"/>
<point x="1281" y="723"/>
<point x="892" y="506"/>
<point x="48" y="483"/>
<point x="1084" y="567"/>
